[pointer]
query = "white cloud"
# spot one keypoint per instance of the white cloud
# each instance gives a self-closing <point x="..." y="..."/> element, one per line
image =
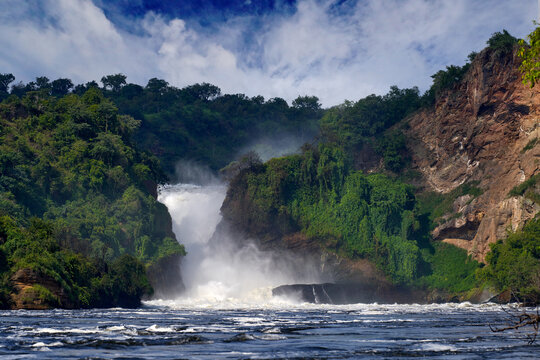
<point x="317" y="50"/>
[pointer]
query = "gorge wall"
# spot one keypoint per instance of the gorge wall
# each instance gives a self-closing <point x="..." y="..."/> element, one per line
<point x="482" y="130"/>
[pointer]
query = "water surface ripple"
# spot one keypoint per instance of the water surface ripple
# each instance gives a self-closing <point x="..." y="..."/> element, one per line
<point x="169" y="330"/>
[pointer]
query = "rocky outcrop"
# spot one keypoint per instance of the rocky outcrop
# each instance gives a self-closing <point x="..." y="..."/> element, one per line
<point x="350" y="293"/>
<point x="165" y="277"/>
<point x="478" y="131"/>
<point x="35" y="291"/>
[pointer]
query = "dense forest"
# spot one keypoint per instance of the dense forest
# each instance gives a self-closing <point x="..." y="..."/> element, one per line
<point x="76" y="199"/>
<point x="79" y="167"/>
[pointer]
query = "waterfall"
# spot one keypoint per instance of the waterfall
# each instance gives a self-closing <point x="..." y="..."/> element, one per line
<point x="220" y="268"/>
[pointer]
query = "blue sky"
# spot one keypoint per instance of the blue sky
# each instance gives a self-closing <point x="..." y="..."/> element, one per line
<point x="336" y="50"/>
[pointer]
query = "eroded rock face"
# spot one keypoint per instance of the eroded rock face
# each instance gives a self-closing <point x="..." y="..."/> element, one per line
<point x="478" y="132"/>
<point x="30" y="286"/>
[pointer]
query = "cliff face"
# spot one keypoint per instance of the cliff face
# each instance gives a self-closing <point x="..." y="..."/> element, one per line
<point x="483" y="130"/>
<point x="34" y="291"/>
<point x="276" y="233"/>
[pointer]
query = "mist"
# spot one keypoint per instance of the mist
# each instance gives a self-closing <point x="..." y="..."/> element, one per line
<point x="191" y="172"/>
<point x="276" y="146"/>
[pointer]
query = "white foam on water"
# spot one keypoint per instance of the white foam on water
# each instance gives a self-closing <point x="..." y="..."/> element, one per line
<point x="66" y="331"/>
<point x="271" y="337"/>
<point x="116" y="328"/>
<point x="160" y="329"/>
<point x="437" y="347"/>
<point x="39" y="344"/>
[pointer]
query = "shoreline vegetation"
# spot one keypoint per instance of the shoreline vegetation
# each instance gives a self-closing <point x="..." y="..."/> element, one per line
<point x="80" y="225"/>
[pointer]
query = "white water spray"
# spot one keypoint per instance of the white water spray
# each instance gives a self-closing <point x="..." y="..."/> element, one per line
<point x="219" y="269"/>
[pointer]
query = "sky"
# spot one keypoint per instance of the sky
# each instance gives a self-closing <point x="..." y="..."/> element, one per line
<point x="336" y="50"/>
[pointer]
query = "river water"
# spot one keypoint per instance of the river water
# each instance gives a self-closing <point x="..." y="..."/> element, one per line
<point x="228" y="312"/>
<point x="276" y="330"/>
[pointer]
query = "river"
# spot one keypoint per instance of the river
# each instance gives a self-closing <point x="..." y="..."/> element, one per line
<point x="276" y="330"/>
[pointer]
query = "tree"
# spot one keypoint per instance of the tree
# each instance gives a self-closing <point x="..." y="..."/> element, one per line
<point x="5" y="80"/>
<point x="307" y="103"/>
<point x="202" y="91"/>
<point x="42" y="82"/>
<point x="520" y="318"/>
<point x="530" y="56"/>
<point x="502" y="41"/>
<point x="157" y="86"/>
<point x="61" y="87"/>
<point x="114" y="82"/>
<point x="81" y="89"/>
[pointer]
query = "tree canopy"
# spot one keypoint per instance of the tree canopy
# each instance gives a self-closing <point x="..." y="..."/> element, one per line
<point x="529" y="52"/>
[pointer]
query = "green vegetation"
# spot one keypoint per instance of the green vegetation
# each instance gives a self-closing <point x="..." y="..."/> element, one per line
<point x="392" y="148"/>
<point x="352" y="213"/>
<point x="356" y="215"/>
<point x="530" y="57"/>
<point x="435" y="205"/>
<point x="514" y="264"/>
<point x="451" y="269"/>
<point x="351" y="125"/>
<point x="444" y="80"/>
<point x="200" y="124"/>
<point x="502" y="42"/>
<point x="528" y="188"/>
<point x="84" y="281"/>
<point x="69" y="163"/>
<point x="196" y="122"/>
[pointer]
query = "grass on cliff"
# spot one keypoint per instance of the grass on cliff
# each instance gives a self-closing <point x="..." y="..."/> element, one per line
<point x="436" y="204"/>
<point x="528" y="189"/>
<point x="529" y="145"/>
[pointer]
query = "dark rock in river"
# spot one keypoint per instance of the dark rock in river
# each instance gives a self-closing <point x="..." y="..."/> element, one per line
<point x="348" y="293"/>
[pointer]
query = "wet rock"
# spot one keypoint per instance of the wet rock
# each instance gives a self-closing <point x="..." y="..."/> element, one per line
<point x="349" y="293"/>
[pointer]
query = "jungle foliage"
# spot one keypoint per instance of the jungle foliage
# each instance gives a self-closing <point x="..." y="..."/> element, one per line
<point x="201" y="124"/>
<point x="529" y="52"/>
<point x="357" y="215"/>
<point x="514" y="264"/>
<point x="70" y="163"/>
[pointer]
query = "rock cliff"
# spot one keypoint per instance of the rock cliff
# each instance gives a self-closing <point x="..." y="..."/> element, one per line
<point x="483" y="130"/>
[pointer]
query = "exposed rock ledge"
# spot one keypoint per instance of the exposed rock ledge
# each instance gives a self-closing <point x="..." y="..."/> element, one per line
<point x="29" y="286"/>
